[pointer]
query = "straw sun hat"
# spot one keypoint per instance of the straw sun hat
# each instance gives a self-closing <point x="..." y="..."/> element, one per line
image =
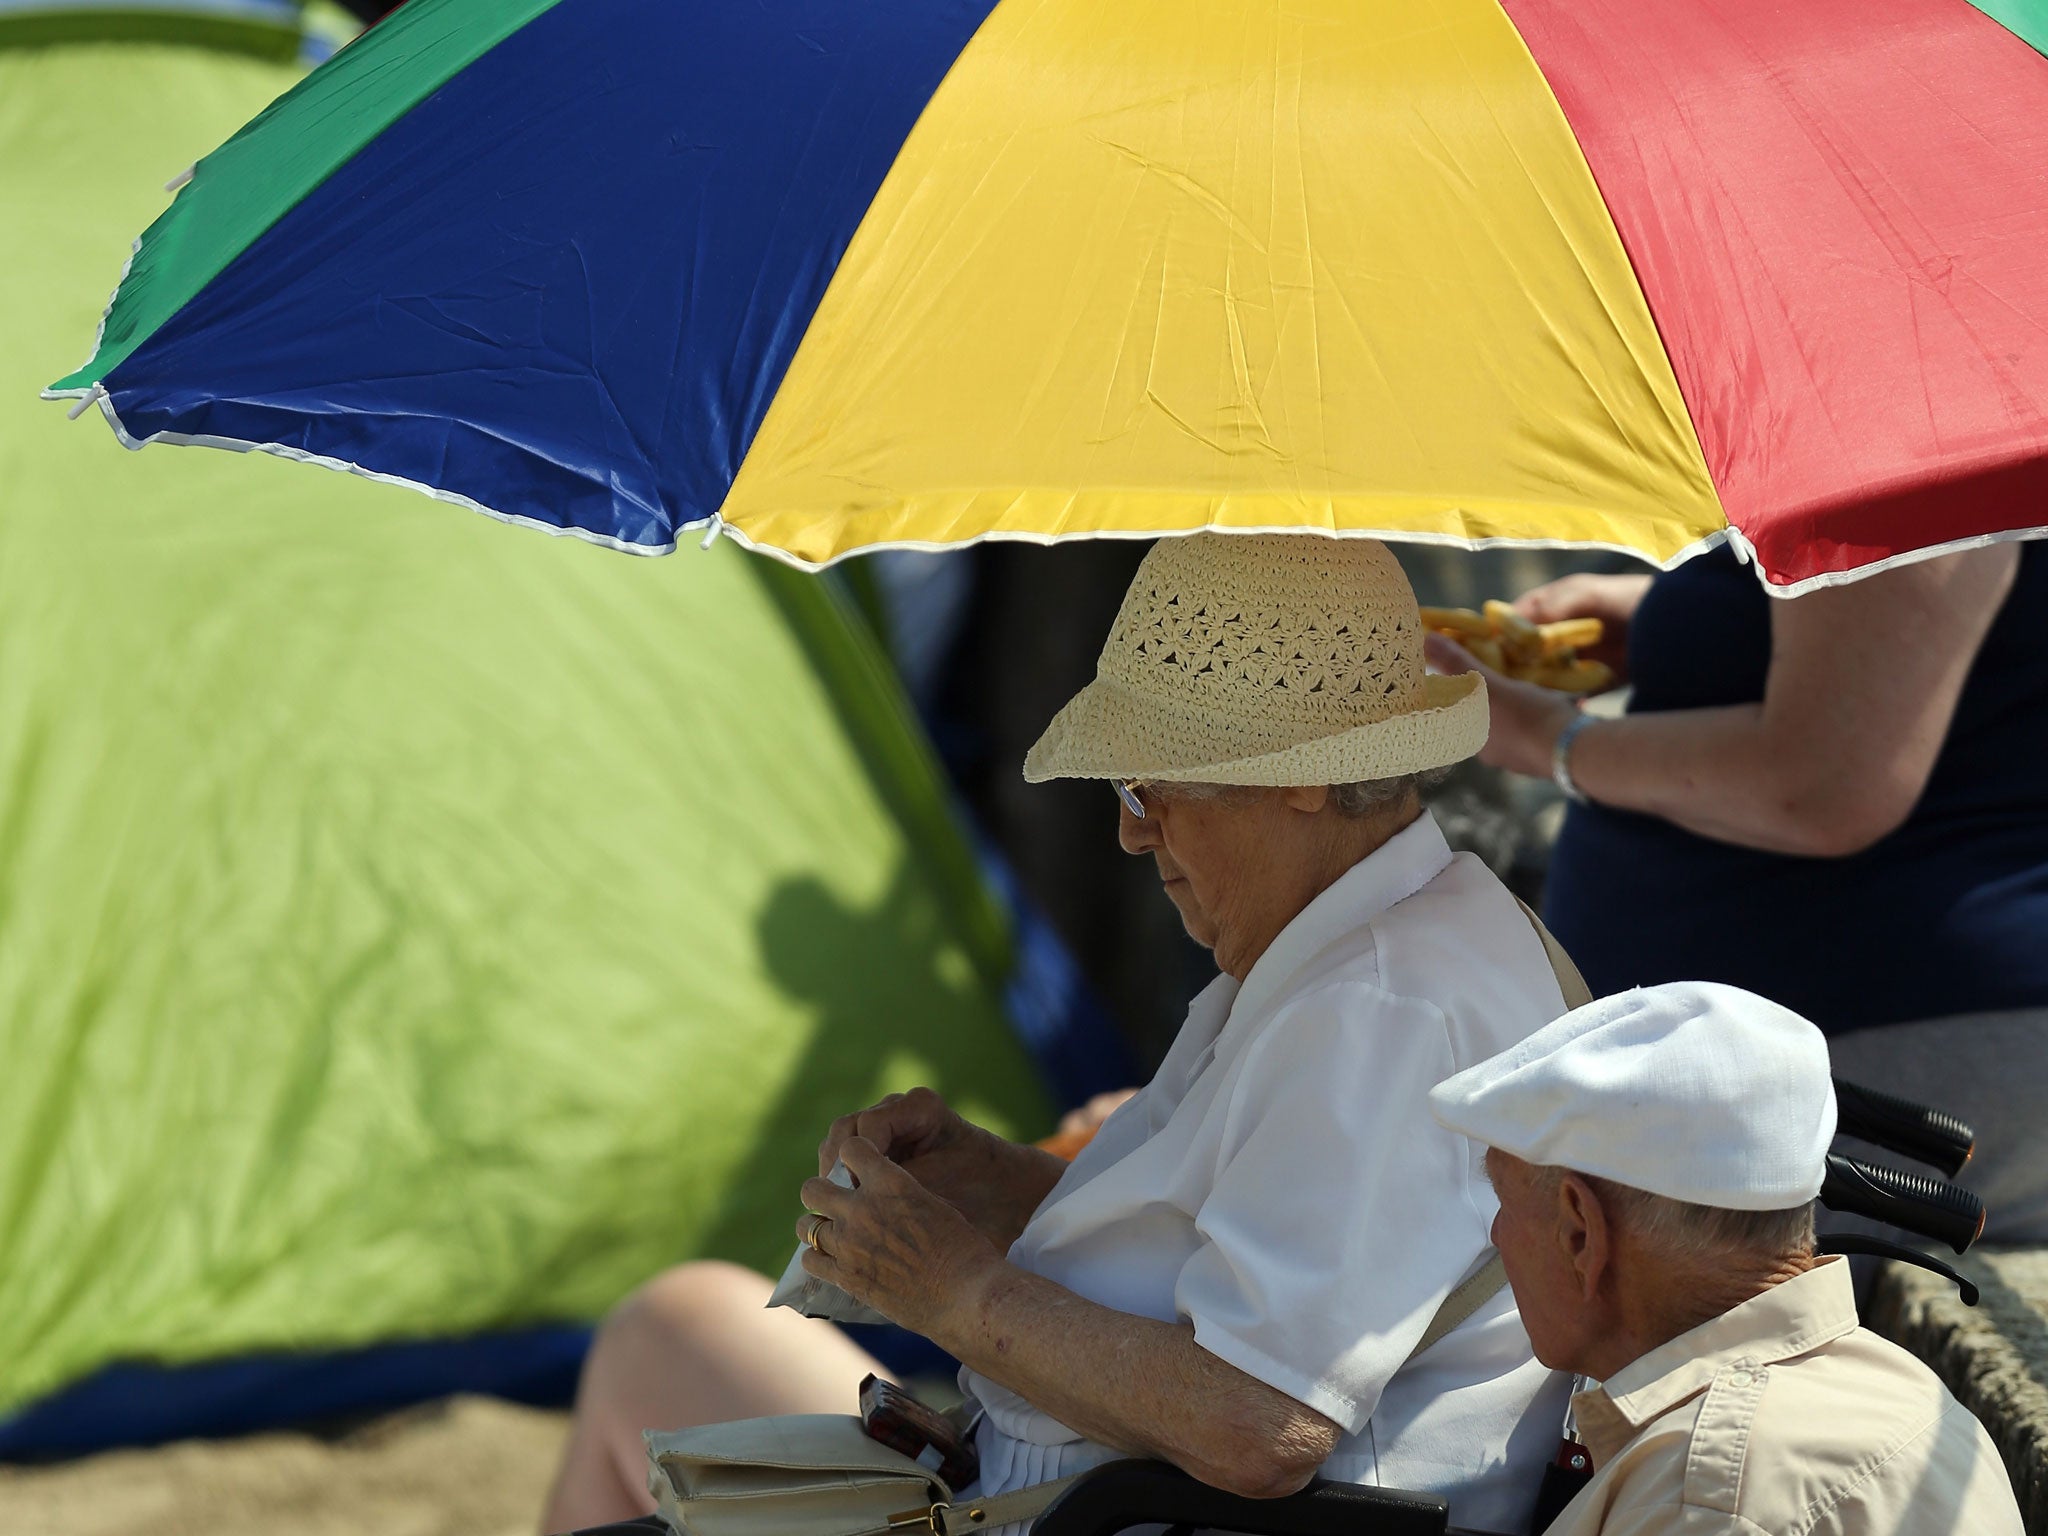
<point x="1270" y="659"/>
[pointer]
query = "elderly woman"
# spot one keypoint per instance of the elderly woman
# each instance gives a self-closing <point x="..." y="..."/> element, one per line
<point x="1236" y="1274"/>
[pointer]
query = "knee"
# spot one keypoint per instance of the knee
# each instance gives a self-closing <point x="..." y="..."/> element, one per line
<point x="693" y="1298"/>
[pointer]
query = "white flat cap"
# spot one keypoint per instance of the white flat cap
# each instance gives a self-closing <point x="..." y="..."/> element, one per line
<point x="1691" y="1090"/>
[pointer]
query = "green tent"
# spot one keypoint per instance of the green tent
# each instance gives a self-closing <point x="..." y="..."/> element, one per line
<point x="408" y="926"/>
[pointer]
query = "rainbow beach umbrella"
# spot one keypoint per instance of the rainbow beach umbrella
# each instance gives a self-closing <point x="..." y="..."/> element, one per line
<point x="831" y="277"/>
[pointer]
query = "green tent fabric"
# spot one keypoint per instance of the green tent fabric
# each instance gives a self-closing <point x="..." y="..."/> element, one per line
<point x="408" y="925"/>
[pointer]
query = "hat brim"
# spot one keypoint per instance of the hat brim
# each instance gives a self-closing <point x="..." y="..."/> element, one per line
<point x="1112" y="731"/>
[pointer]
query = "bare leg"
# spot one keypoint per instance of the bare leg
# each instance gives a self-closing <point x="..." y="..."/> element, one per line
<point x="695" y="1345"/>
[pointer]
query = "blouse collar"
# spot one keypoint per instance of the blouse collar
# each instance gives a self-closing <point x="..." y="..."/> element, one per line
<point x="1391" y="873"/>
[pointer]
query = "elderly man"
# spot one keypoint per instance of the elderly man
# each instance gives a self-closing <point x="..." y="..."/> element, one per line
<point x="1656" y="1155"/>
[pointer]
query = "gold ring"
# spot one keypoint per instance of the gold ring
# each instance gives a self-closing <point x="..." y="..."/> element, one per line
<point x="810" y="1232"/>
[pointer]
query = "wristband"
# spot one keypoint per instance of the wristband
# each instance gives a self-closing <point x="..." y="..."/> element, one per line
<point x="1561" y="758"/>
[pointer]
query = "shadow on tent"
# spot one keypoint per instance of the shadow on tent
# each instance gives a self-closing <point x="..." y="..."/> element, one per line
<point x="1069" y="1037"/>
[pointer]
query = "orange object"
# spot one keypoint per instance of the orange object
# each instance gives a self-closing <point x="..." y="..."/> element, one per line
<point x="1066" y="1144"/>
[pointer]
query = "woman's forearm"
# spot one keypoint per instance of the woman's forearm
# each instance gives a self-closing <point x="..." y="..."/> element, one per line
<point x="1720" y="773"/>
<point x="1863" y="683"/>
<point x="1026" y="1178"/>
<point x="996" y="1184"/>
<point x="1135" y="1384"/>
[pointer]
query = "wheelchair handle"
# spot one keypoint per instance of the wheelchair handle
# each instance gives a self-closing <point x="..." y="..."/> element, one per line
<point x="1901" y="1199"/>
<point x="1929" y="1136"/>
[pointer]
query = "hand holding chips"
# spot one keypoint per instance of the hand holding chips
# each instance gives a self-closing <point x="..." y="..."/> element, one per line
<point x="1544" y="654"/>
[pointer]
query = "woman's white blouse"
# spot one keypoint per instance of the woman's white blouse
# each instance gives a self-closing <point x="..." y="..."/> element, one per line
<point x="1281" y="1185"/>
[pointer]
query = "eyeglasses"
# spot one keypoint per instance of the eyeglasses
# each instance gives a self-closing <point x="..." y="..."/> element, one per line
<point x="1127" y="791"/>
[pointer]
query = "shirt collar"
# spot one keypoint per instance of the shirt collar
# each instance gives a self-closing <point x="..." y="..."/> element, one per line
<point x="1786" y="1321"/>
<point x="1392" y="872"/>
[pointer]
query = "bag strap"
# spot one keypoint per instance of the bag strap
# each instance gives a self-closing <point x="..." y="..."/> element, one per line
<point x="1470" y="1294"/>
<point x="1018" y="1505"/>
<point x="1576" y="993"/>
<point x="1485" y="1282"/>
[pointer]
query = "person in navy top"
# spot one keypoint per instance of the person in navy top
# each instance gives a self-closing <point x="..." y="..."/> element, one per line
<point x="1839" y="801"/>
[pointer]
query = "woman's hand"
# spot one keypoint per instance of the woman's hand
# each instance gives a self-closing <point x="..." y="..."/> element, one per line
<point x="1612" y="600"/>
<point x="1526" y="718"/>
<point x="1862" y="687"/>
<point x="892" y="1243"/>
<point x="994" y="1183"/>
<point x="901" y="1127"/>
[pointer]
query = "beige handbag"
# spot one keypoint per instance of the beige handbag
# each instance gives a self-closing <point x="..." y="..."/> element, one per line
<point x="813" y="1474"/>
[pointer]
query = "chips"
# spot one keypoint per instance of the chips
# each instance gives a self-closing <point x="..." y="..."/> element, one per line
<point x="1544" y="654"/>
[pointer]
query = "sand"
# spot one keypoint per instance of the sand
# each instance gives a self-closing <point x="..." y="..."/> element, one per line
<point x="465" y="1466"/>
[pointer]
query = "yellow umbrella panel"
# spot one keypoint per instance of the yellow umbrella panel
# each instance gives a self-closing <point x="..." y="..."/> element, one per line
<point x="1333" y="266"/>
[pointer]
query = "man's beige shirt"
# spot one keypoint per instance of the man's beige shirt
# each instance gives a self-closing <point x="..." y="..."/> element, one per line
<point x="1782" y="1415"/>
